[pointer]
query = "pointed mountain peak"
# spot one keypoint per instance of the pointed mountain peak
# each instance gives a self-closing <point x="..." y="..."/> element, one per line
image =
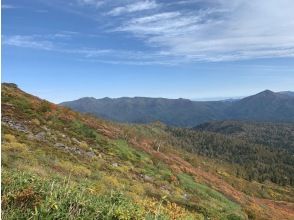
<point x="267" y="91"/>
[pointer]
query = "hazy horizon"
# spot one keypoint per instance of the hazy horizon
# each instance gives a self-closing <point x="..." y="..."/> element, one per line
<point x="200" y="99"/>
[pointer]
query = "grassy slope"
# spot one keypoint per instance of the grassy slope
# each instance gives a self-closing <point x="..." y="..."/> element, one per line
<point x="57" y="163"/>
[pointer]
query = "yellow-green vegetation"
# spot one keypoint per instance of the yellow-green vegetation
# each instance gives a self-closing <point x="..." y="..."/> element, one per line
<point x="209" y="196"/>
<point x="27" y="196"/>
<point x="59" y="164"/>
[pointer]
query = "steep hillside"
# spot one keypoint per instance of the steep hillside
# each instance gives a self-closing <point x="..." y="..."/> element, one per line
<point x="265" y="106"/>
<point x="60" y="164"/>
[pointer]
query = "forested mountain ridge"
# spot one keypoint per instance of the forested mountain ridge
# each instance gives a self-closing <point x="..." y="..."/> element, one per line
<point x="177" y="112"/>
<point x="264" y="106"/>
<point x="275" y="135"/>
<point x="60" y="164"/>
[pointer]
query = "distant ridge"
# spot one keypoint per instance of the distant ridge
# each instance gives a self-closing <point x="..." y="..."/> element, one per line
<point x="264" y="106"/>
<point x="288" y="93"/>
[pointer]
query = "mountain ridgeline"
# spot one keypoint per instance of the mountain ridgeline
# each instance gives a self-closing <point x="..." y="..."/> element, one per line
<point x="264" y="106"/>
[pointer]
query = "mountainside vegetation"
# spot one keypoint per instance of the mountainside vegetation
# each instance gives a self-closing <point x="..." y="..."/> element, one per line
<point x="176" y="112"/>
<point x="275" y="135"/>
<point x="254" y="161"/>
<point x="61" y="164"/>
<point x="264" y="106"/>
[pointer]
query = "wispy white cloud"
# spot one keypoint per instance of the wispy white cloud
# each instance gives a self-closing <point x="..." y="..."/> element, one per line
<point x="134" y="7"/>
<point x="110" y="56"/>
<point x="27" y="42"/>
<point x="211" y="30"/>
<point x="96" y="3"/>
<point x="169" y="23"/>
<point x="49" y="42"/>
<point x="232" y="30"/>
<point x="5" y="6"/>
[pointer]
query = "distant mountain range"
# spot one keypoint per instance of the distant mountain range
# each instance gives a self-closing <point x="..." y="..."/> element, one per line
<point x="264" y="106"/>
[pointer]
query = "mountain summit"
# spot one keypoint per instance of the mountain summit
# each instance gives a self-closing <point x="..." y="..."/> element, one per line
<point x="264" y="106"/>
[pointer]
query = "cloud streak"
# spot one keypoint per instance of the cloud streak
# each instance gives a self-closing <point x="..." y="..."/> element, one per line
<point x="231" y="30"/>
<point x="134" y="7"/>
<point x="109" y="56"/>
<point x="27" y="42"/>
<point x="5" y="6"/>
<point x="176" y="32"/>
<point x="96" y="3"/>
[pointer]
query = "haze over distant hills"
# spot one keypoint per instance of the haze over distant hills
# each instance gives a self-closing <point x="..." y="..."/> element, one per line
<point x="264" y="106"/>
<point x="289" y="93"/>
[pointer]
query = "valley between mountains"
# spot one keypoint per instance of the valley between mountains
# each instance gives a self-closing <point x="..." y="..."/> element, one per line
<point x="58" y="163"/>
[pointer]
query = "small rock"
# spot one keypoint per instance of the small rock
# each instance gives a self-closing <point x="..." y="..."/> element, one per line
<point x="59" y="145"/>
<point x="45" y="128"/>
<point x="186" y="196"/>
<point x="40" y="136"/>
<point x="90" y="154"/>
<point x="115" y="164"/>
<point x="147" y="178"/>
<point x="31" y="136"/>
<point x="15" y="125"/>
<point x="75" y="140"/>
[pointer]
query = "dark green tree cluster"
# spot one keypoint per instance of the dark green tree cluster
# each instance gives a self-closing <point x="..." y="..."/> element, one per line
<point x="258" y="162"/>
<point x="276" y="135"/>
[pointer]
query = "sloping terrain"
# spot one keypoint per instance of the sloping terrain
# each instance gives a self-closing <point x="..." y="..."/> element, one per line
<point x="264" y="106"/>
<point x="60" y="164"/>
<point x="288" y="93"/>
<point x="275" y="135"/>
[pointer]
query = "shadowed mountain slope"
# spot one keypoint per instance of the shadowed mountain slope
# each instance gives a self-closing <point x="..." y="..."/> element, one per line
<point x="264" y="106"/>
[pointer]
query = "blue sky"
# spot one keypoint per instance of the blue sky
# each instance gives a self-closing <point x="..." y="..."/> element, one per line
<point x="66" y="49"/>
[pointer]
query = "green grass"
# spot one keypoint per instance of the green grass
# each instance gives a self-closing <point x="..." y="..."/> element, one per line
<point x="83" y="130"/>
<point x="26" y="196"/>
<point x="125" y="152"/>
<point x="209" y="201"/>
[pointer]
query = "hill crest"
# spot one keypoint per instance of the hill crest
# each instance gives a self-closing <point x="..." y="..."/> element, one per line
<point x="264" y="106"/>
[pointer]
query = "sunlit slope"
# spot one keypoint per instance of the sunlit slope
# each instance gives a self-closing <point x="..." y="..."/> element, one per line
<point x="60" y="164"/>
